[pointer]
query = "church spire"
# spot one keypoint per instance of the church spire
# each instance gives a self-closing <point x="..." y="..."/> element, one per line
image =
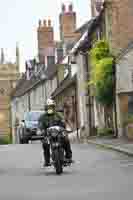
<point x="2" y="56"/>
<point x="17" y="56"/>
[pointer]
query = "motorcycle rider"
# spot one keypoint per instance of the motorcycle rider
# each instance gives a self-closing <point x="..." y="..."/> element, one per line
<point x="49" y="118"/>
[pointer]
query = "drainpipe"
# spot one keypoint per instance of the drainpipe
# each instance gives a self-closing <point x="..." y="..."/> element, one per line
<point x="115" y="105"/>
<point x="29" y="102"/>
<point x="89" y="100"/>
<point x="74" y="102"/>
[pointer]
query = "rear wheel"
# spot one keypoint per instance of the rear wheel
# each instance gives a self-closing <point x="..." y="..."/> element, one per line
<point x="58" y="162"/>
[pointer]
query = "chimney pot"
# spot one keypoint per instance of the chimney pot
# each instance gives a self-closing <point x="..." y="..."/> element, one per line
<point x="40" y="23"/>
<point x="49" y="22"/>
<point x="44" y="23"/>
<point x="63" y="8"/>
<point x="70" y="8"/>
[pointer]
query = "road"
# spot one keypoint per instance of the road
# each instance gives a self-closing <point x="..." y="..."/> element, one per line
<point x="97" y="174"/>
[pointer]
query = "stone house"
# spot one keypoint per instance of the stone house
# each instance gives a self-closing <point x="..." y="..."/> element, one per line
<point x="119" y="32"/>
<point x="88" y="111"/>
<point x="71" y="92"/>
<point x="9" y="74"/>
<point x="32" y="94"/>
<point x="65" y="95"/>
<point x="124" y="89"/>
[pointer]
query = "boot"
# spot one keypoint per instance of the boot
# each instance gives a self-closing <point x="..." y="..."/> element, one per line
<point x="46" y="155"/>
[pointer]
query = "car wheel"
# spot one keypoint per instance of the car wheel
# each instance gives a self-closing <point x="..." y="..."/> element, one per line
<point x="21" y="141"/>
<point x="26" y="141"/>
<point x="21" y="136"/>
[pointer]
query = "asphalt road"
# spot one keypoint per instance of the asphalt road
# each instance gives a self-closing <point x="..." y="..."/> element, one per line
<point x="98" y="174"/>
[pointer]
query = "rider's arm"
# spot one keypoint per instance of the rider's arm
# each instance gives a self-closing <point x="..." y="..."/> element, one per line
<point x="61" y="120"/>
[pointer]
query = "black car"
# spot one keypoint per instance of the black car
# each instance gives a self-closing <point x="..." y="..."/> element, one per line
<point x="29" y="125"/>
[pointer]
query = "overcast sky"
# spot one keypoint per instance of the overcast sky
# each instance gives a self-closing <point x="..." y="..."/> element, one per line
<point x="19" y="21"/>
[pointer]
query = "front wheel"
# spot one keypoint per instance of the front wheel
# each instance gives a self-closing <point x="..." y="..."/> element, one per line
<point x="58" y="162"/>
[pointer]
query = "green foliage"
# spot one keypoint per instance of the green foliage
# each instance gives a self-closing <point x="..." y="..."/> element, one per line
<point x="5" y="140"/>
<point x="128" y="120"/>
<point x="105" y="132"/>
<point x="102" y="72"/>
<point x="100" y="50"/>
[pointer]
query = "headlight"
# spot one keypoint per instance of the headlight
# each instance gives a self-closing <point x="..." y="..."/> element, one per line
<point x="38" y="132"/>
<point x="54" y="134"/>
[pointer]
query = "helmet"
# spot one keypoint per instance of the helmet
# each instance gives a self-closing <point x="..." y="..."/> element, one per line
<point x="50" y="102"/>
<point x="50" y="106"/>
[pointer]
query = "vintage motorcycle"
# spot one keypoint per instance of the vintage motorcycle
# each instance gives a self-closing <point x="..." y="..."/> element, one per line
<point x="55" y="136"/>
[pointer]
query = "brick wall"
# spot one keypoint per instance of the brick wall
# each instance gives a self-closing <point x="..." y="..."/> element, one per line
<point x="121" y="17"/>
<point x="45" y="40"/>
<point x="68" y="24"/>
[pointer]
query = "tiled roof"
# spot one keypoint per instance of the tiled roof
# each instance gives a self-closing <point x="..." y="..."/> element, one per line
<point x="83" y="42"/>
<point x="83" y="28"/>
<point x="64" y="84"/>
<point x="25" y="85"/>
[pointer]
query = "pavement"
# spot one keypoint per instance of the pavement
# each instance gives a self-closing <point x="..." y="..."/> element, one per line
<point x="121" y="145"/>
<point x="98" y="174"/>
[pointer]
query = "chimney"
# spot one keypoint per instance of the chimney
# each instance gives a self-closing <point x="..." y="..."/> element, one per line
<point x="71" y="8"/>
<point x="45" y="41"/>
<point x="40" y="23"/>
<point x="63" y="8"/>
<point x="67" y="24"/>
<point x="44" y="23"/>
<point x="49" y="22"/>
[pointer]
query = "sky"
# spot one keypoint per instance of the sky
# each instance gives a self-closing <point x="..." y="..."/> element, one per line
<point x="19" y="22"/>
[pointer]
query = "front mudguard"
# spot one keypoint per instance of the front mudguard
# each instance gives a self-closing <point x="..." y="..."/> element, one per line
<point x="58" y="152"/>
<point x="58" y="158"/>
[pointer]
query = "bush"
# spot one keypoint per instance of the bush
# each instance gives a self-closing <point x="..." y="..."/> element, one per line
<point x="102" y="79"/>
<point x="128" y="120"/>
<point x="105" y="132"/>
<point x="5" y="140"/>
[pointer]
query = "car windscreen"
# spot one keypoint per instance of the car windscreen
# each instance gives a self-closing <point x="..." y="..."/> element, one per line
<point x="34" y="116"/>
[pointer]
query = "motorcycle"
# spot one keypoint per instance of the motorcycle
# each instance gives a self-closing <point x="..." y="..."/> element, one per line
<point x="55" y="136"/>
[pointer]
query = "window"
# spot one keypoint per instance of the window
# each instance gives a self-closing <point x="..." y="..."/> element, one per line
<point x="50" y="60"/>
<point x="33" y="116"/>
<point x="130" y="104"/>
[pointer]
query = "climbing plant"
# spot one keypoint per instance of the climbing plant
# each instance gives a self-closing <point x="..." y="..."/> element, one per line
<point x="102" y="72"/>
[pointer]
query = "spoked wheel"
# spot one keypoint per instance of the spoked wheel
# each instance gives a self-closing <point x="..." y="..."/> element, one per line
<point x="58" y="162"/>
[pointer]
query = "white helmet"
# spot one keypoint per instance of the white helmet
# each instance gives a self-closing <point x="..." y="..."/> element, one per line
<point x="50" y="102"/>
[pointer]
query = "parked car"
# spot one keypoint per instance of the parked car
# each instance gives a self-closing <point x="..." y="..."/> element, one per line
<point x="29" y="125"/>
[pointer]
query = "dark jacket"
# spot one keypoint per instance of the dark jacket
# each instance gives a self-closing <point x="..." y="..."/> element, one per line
<point x="46" y="120"/>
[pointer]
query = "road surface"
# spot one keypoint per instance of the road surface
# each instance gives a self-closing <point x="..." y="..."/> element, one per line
<point x="98" y="174"/>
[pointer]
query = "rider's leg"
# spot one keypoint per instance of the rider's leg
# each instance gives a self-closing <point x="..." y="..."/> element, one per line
<point x="46" y="153"/>
<point x="67" y="147"/>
